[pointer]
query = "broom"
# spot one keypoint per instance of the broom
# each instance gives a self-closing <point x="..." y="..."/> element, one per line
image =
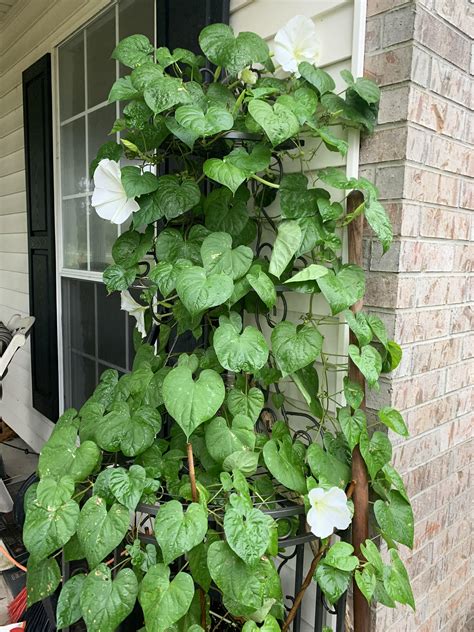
<point x="17" y="607"/>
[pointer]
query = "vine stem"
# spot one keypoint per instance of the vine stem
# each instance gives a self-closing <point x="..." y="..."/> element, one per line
<point x="309" y="575"/>
<point x="266" y="182"/>
<point x="195" y="497"/>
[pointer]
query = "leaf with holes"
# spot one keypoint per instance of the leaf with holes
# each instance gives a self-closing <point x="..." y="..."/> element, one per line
<point x="61" y="456"/>
<point x="42" y="579"/>
<point x="68" y="610"/>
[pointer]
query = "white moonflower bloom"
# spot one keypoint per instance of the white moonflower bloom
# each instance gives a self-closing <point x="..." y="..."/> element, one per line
<point x="109" y="198"/>
<point x="297" y="41"/>
<point x="130" y="305"/>
<point x="328" y="511"/>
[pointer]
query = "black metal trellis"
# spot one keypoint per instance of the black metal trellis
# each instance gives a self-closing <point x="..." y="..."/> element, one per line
<point x="297" y="544"/>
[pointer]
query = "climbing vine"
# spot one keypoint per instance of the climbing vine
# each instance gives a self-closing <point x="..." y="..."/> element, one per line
<point x="229" y="217"/>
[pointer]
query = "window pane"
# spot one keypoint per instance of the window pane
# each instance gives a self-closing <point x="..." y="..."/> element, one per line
<point x="102" y="235"/>
<point x="137" y="16"/>
<point x="73" y="157"/>
<point x="99" y="124"/>
<point x="82" y="307"/>
<point x="111" y="328"/>
<point x="100" y="37"/>
<point x="71" y="77"/>
<point x="82" y="381"/>
<point x="75" y="233"/>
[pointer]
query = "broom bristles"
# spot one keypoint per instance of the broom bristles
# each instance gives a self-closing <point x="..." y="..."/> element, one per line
<point x="16" y="609"/>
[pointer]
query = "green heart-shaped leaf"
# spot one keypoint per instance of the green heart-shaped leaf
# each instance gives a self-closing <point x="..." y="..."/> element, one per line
<point x="135" y="182"/>
<point x="225" y="212"/>
<point x="220" y="46"/>
<point x="178" y="532"/>
<point x="165" y="92"/>
<point x="127" y="485"/>
<point x="393" y="420"/>
<point x="172" y="197"/>
<point x="352" y="425"/>
<point x="99" y="531"/>
<point x="262" y="285"/>
<point x="303" y="102"/>
<point x="249" y="404"/>
<point x="190" y="402"/>
<point x="218" y="256"/>
<point x="368" y="361"/>
<point x="376" y="451"/>
<point x="378" y="220"/>
<point x="295" y="347"/>
<point x="106" y="602"/>
<point x="133" y="51"/>
<point x="216" y="119"/>
<point x="224" y="172"/>
<point x="247" y="532"/>
<point x="285" y="247"/>
<point x="69" y="610"/>
<point x="343" y="289"/>
<point x="199" y="291"/>
<point x="397" y="582"/>
<point x="237" y="581"/>
<point x="132" y="434"/>
<point x="246" y="351"/>
<point x="258" y="160"/>
<point x="60" y="456"/>
<point x="395" y="518"/>
<point x="164" y="602"/>
<point x="278" y="122"/>
<point x="327" y="468"/>
<point x="320" y="79"/>
<point x="164" y="274"/>
<point x="359" y="326"/>
<point x="332" y="581"/>
<point x="170" y="245"/>
<point x="222" y="440"/>
<point x="42" y="579"/>
<point x="285" y="463"/>
<point x="49" y="526"/>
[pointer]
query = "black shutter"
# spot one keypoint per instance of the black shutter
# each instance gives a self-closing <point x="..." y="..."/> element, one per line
<point x="37" y="118"/>
<point x="179" y="22"/>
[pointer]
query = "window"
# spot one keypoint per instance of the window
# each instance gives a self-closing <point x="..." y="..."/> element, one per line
<point x="96" y="334"/>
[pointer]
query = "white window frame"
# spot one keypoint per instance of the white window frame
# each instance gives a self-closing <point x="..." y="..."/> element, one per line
<point x="61" y="271"/>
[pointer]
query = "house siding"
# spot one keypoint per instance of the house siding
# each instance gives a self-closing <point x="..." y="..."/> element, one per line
<point x="31" y="29"/>
<point x="421" y="157"/>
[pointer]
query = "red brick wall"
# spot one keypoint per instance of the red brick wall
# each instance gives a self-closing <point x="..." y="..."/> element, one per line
<point x="422" y="160"/>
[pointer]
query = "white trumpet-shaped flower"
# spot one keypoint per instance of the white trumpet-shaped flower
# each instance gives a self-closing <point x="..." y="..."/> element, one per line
<point x="328" y="511"/>
<point x="109" y="198"/>
<point x="297" y="41"/>
<point x="130" y="305"/>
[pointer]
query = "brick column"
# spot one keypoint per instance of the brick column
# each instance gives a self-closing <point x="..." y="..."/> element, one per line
<point x="422" y="160"/>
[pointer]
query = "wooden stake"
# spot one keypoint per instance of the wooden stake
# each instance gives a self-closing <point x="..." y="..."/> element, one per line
<point x="360" y="523"/>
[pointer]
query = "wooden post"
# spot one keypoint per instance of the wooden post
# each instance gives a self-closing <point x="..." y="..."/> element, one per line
<point x="360" y="523"/>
